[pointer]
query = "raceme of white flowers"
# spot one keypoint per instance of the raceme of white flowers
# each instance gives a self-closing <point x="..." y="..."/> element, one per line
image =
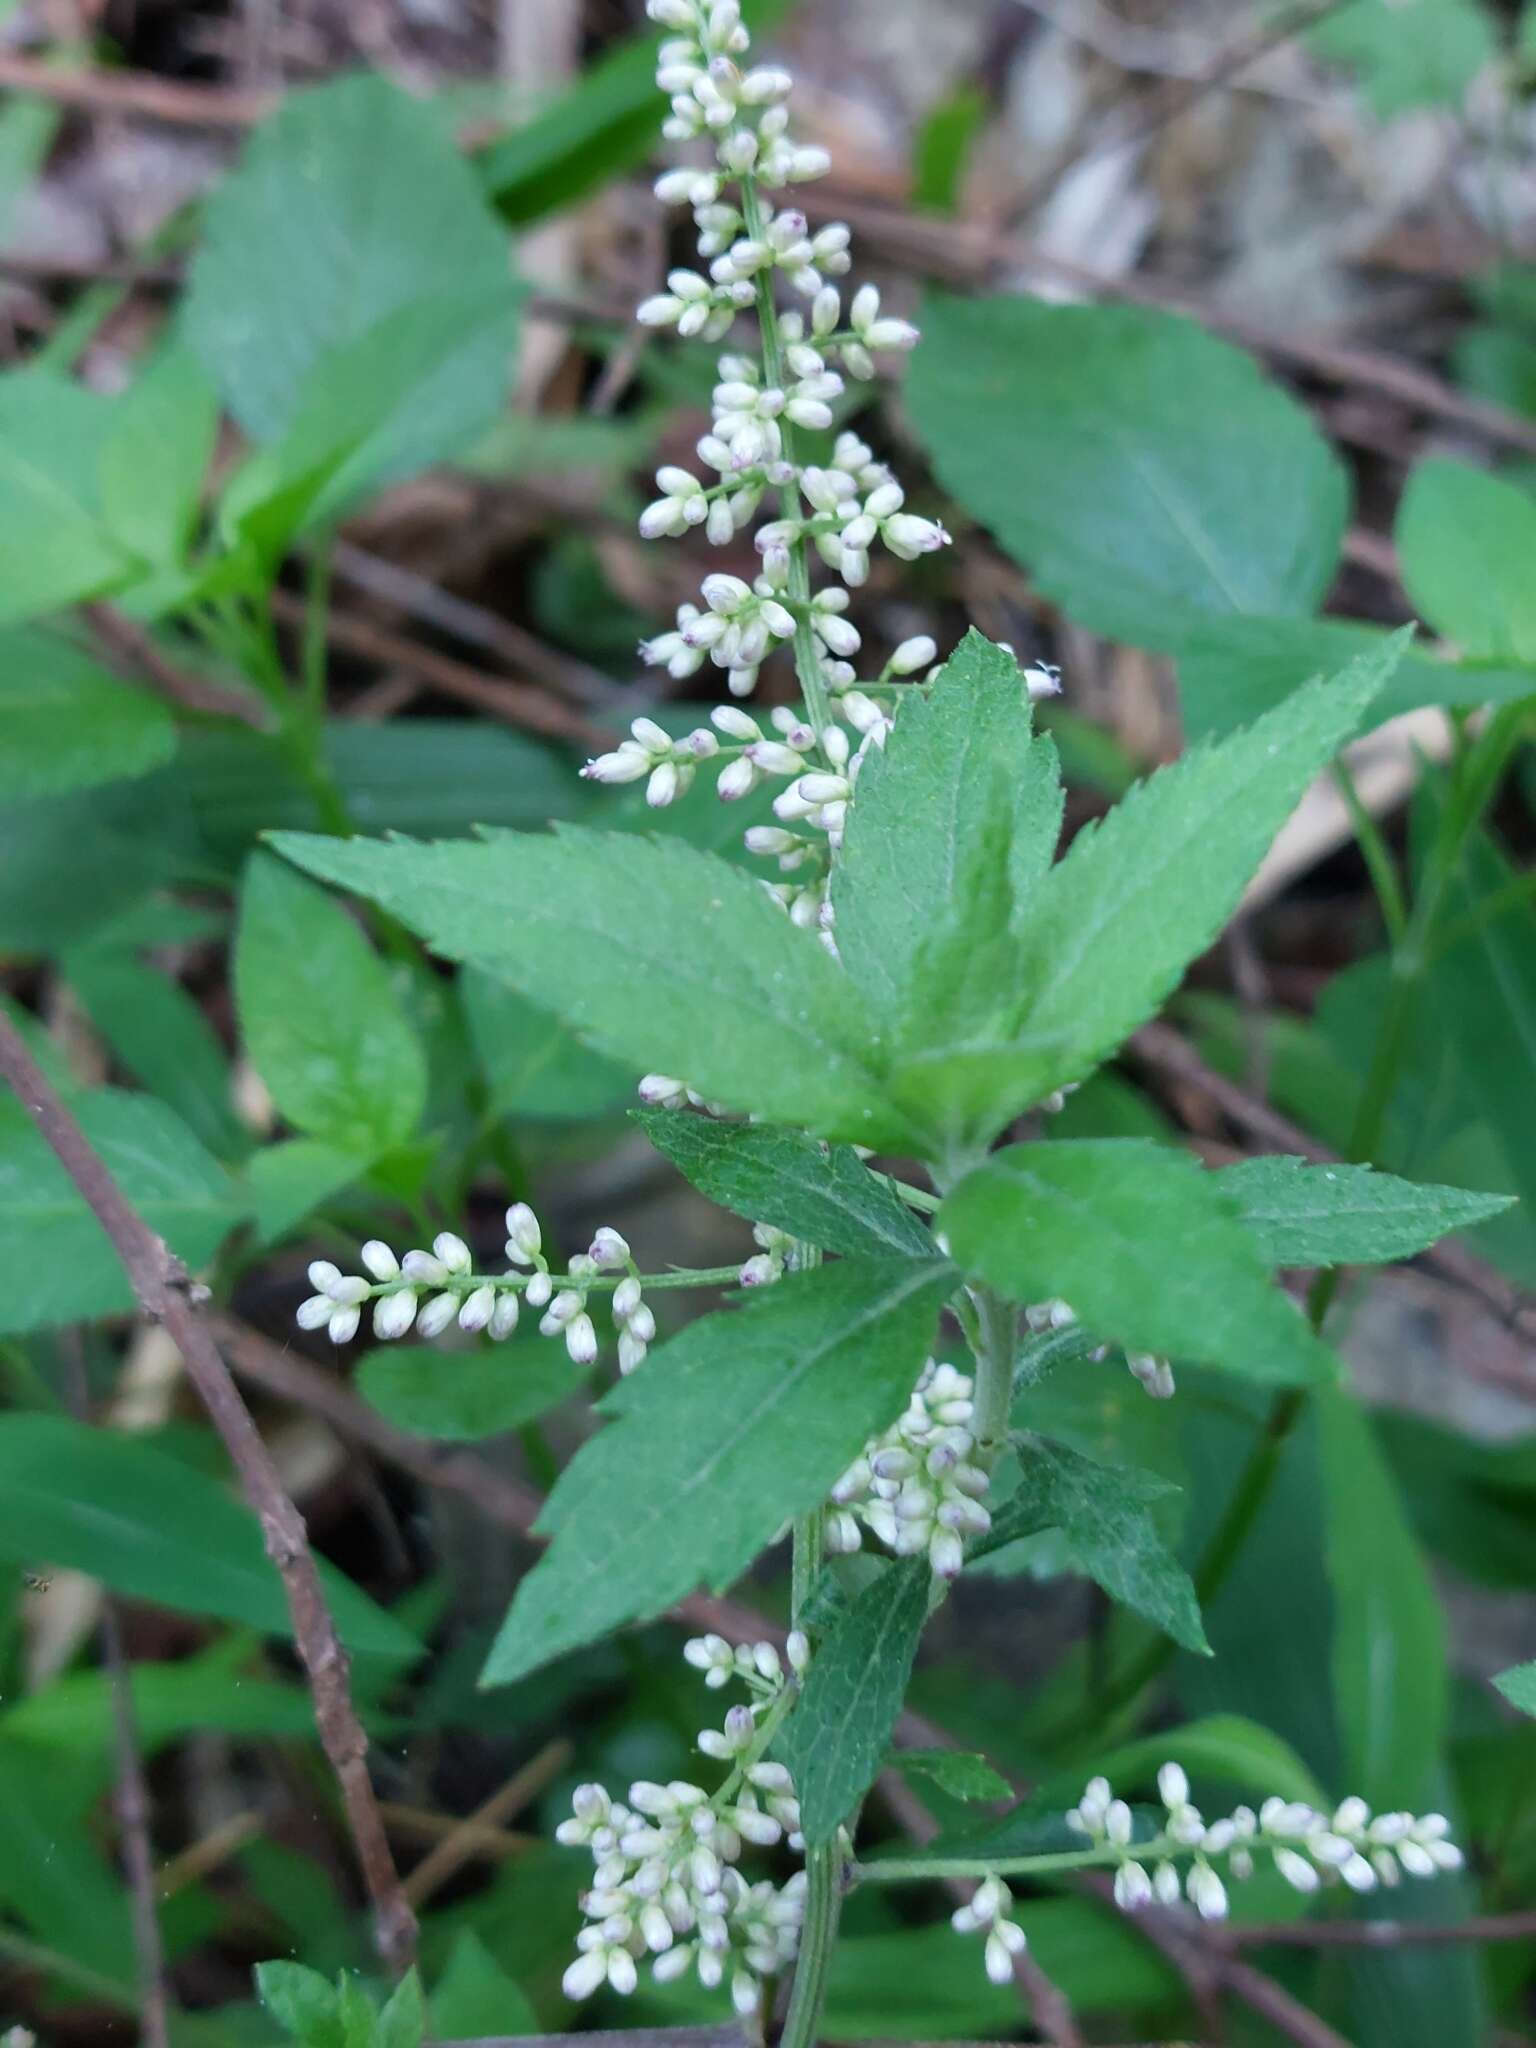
<point x="665" y="1882"/>
<point x="916" y="1487"/>
<point x="748" y="244"/>
<point x="1351" y="1846"/>
<point x="1153" y="1373"/>
<point x="431" y="1290"/>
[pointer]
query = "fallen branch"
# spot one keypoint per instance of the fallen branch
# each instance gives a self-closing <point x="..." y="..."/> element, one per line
<point x="95" y="91"/>
<point x="163" y="1293"/>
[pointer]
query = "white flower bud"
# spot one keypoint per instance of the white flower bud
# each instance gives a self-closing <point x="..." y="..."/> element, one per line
<point x="393" y="1314"/>
<point x="453" y="1251"/>
<point x="585" y="1974"/>
<point x="504" y="1315"/>
<point x="661" y="1091"/>
<point x="608" y="1250"/>
<point x="437" y="1314"/>
<point x="342" y="1327"/>
<point x="911" y="655"/>
<point x="380" y="1260"/>
<point x="1206" y="1892"/>
<point x="315" y="1313"/>
<point x="1173" y="1787"/>
<point x="478" y="1309"/>
<point x="581" y="1340"/>
<point x="423" y="1268"/>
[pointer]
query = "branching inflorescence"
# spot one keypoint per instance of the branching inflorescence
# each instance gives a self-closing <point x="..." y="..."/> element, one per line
<point x="666" y="1883"/>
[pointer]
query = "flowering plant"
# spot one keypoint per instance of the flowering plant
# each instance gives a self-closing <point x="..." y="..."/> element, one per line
<point x="920" y="978"/>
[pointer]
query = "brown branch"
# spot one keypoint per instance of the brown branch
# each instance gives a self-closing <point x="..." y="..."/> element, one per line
<point x="514" y="703"/>
<point x="463" y="1843"/>
<point x="163" y="1293"/>
<point x="969" y="253"/>
<point x="1384" y="1933"/>
<point x="135" y="92"/>
<point x="133" y="648"/>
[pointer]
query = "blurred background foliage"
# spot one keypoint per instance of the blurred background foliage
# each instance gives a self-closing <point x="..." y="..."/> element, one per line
<point x="322" y="433"/>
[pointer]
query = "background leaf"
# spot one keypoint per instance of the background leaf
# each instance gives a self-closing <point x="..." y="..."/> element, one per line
<point x="320" y="1017"/>
<point x="464" y="1395"/>
<point x="1466" y="541"/>
<point x="58" y="547"/>
<point x="1146" y="474"/>
<point x="61" y="1267"/>
<point x="1303" y="1215"/>
<point x="68" y="723"/>
<point x="150" y="1526"/>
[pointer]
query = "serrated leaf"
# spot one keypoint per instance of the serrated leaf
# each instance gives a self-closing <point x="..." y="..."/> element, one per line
<point x="744" y="1420"/>
<point x="320" y="1017"/>
<point x="1105" y="1513"/>
<point x="1110" y="930"/>
<point x="150" y="1526"/>
<point x="835" y="1738"/>
<point x="1146" y="474"/>
<point x="1145" y="1246"/>
<point x="823" y="1194"/>
<point x="460" y="1396"/>
<point x="60" y="1266"/>
<point x="1304" y="1215"/>
<point x="659" y="956"/>
<point x="1466" y="542"/>
<point x="958" y="1773"/>
<point x="68" y="723"/>
<point x="1518" y="1686"/>
<point x="920" y="804"/>
<point x="1389" y="1648"/>
<point x="350" y="204"/>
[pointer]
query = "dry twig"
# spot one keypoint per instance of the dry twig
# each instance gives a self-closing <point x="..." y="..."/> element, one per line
<point x="163" y="1293"/>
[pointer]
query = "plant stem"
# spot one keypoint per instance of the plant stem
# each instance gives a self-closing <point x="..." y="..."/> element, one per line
<point x="807" y="653"/>
<point x="997" y="1328"/>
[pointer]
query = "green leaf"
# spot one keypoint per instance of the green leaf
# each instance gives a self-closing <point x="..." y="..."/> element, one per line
<point x="163" y="1037"/>
<point x="212" y="1692"/>
<point x="921" y="805"/>
<point x="403" y="2021"/>
<point x="1303" y="1215"/>
<point x="836" y="1736"/>
<point x="1109" y="932"/>
<point x="535" y="1067"/>
<point x="150" y="1526"/>
<point x="58" y="548"/>
<point x="1466" y="542"/>
<point x="51" y="1872"/>
<point x="744" y="1420"/>
<point x="1389" y="1648"/>
<point x="302" y="2002"/>
<point x="1145" y="1246"/>
<point x="1232" y="671"/>
<point x="60" y="1266"/>
<point x="943" y="149"/>
<point x="1409" y="53"/>
<point x="1227" y="1748"/>
<point x="824" y="1194"/>
<point x="155" y="456"/>
<point x="1518" y="1686"/>
<point x="288" y="1181"/>
<point x="1105" y="1513"/>
<point x="1146" y="474"/>
<point x="463" y="1395"/>
<point x="68" y="723"/>
<point x="475" y="1998"/>
<point x="957" y="1773"/>
<point x="659" y="956"/>
<point x="350" y="205"/>
<point x="320" y="1017"/>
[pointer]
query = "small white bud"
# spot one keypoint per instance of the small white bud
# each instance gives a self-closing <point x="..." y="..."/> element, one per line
<point x="504" y="1315"/>
<point x="342" y="1327"/>
<point x="911" y="655"/>
<point x="581" y="1340"/>
<point x="393" y="1314"/>
<point x="380" y="1260"/>
<point x="478" y="1309"/>
<point x="608" y="1250"/>
<point x="437" y="1314"/>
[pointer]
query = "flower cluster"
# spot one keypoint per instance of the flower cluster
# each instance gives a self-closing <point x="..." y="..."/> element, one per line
<point x="749" y="245"/>
<point x="429" y="1290"/>
<point x="916" y="1487"/>
<point x="665" y="1882"/>
<point x="988" y="1911"/>
<point x="1350" y="1846"/>
<point x="1153" y="1373"/>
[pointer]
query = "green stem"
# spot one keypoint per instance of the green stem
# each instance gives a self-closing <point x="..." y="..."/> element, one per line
<point x="824" y="1865"/>
<point x="807" y="652"/>
<point x="998" y="1330"/>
